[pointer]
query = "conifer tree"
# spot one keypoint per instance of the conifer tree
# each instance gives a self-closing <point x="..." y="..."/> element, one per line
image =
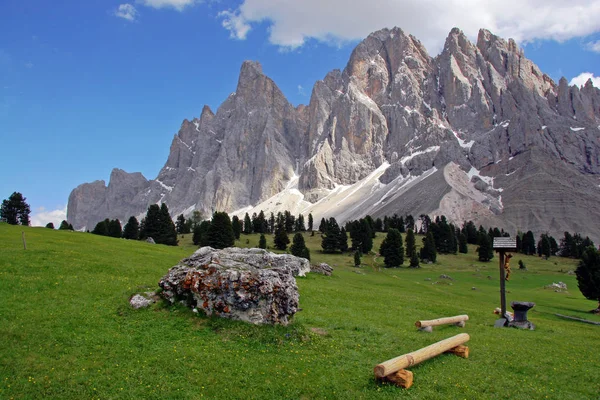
<point x="151" y="223"/>
<point x="310" y="222"/>
<point x="483" y="252"/>
<point x="64" y="225"/>
<point x="462" y="244"/>
<point x="366" y="237"/>
<point x="588" y="275"/>
<point x="323" y="225"/>
<point x="15" y="210"/>
<point x="357" y="258"/>
<point x="298" y="247"/>
<point x="281" y="239"/>
<point x="414" y="260"/>
<point x="343" y="245"/>
<point x="272" y="223"/>
<point x="200" y="234"/>
<point x="411" y="247"/>
<point x="428" y="252"/>
<point x="167" y="233"/>
<point x="220" y="232"/>
<point x="181" y="224"/>
<point x="247" y="225"/>
<point x="132" y="229"/>
<point x="50" y="225"/>
<point x="236" y="225"/>
<point x="101" y="227"/>
<point x="331" y="237"/>
<point x="392" y="249"/>
<point x="262" y="241"/>
<point x="114" y="228"/>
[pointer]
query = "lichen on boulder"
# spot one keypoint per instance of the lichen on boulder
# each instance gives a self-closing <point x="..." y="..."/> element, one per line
<point x="251" y="285"/>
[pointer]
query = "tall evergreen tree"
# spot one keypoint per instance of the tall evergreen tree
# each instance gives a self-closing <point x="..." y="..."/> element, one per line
<point x="200" y="234"/>
<point x="409" y="222"/>
<point x="357" y="261"/>
<point x="414" y="260"/>
<point x="378" y="225"/>
<point x="272" y="223"/>
<point x="588" y="275"/>
<point x="298" y="247"/>
<point x="181" y="225"/>
<point x="411" y="247"/>
<point x="485" y="244"/>
<point x="167" y="232"/>
<point x="462" y="244"/>
<point x="528" y="243"/>
<point x="470" y="231"/>
<point x="392" y="249"/>
<point x="331" y="237"/>
<point x="114" y="228"/>
<point x="367" y="237"/>
<point x="290" y="221"/>
<point x="50" y="225"/>
<point x="262" y="241"/>
<point x="544" y="245"/>
<point x="310" y="222"/>
<point x="281" y="239"/>
<point x="428" y="252"/>
<point x="323" y="225"/>
<point x="150" y="227"/>
<point x="247" y="224"/>
<point x="343" y="245"/>
<point x="300" y="226"/>
<point x="236" y="225"/>
<point x="101" y="227"/>
<point x="132" y="229"/>
<point x="64" y="226"/>
<point x="15" y="210"/>
<point x="220" y="232"/>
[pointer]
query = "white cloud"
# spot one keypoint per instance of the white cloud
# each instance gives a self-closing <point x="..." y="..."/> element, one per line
<point x="236" y="25"/>
<point x="41" y="217"/>
<point x="126" y="11"/>
<point x="291" y="23"/>
<point x="582" y="78"/>
<point x="179" y="5"/>
<point x="593" y="46"/>
<point x="301" y="90"/>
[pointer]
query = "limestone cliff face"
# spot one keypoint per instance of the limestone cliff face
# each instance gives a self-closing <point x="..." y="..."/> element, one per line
<point x="476" y="131"/>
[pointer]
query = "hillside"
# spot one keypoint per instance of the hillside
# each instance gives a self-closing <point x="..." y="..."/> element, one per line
<point x="69" y="333"/>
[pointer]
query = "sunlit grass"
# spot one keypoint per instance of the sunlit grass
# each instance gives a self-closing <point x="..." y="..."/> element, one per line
<point x="68" y="333"/>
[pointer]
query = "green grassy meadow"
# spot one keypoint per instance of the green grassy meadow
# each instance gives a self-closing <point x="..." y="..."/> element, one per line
<point x="67" y="331"/>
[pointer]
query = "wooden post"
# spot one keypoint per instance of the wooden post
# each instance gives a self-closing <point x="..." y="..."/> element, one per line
<point x="24" y="243"/>
<point x="502" y="286"/>
<point x="408" y="360"/>
<point x="403" y="378"/>
<point x="458" y="320"/>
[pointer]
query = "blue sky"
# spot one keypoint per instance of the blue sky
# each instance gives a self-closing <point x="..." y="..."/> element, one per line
<point x="87" y="86"/>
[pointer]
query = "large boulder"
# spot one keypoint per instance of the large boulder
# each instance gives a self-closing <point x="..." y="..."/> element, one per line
<point x="251" y="285"/>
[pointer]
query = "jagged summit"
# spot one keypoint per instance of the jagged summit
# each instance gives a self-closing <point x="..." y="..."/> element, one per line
<point x="477" y="132"/>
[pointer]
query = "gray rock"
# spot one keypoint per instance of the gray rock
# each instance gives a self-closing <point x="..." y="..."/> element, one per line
<point x="139" y="301"/>
<point x="251" y="285"/>
<point x="322" y="268"/>
<point x="150" y="240"/>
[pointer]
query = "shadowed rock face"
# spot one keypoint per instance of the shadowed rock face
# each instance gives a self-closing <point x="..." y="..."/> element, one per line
<point x="476" y="131"/>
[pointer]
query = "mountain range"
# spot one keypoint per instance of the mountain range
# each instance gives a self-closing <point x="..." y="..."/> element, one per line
<point x="478" y="133"/>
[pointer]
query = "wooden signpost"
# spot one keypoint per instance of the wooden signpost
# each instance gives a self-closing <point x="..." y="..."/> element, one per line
<point x="502" y="245"/>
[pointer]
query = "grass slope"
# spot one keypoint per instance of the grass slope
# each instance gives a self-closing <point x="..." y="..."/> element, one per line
<point x="67" y="330"/>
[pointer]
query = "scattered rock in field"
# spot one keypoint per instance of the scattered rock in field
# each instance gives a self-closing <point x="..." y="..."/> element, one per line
<point x="140" y="301"/>
<point x="444" y="282"/>
<point x="427" y="279"/>
<point x="489" y="277"/>
<point x="150" y="240"/>
<point x="444" y="276"/>
<point x="323" y="269"/>
<point x="251" y="285"/>
<point x="473" y="288"/>
<point x="571" y="272"/>
<point x="558" y="287"/>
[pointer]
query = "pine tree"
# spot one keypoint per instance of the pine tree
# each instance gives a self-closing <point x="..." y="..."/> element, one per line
<point x="323" y="225"/>
<point x="310" y="222"/>
<point x="272" y="223"/>
<point x="378" y="225"/>
<point x="343" y="245"/>
<point x="200" y="230"/>
<point x="409" y="222"/>
<point x="167" y="233"/>
<point x="300" y="226"/>
<point x="64" y="226"/>
<point x="330" y="241"/>
<point x="114" y="228"/>
<point x="181" y="224"/>
<point x="298" y="247"/>
<point x="462" y="244"/>
<point x="236" y="225"/>
<point x="366" y="237"/>
<point x="220" y="232"/>
<point x="357" y="258"/>
<point x="545" y="245"/>
<point x="101" y="227"/>
<point x="71" y="227"/>
<point x="414" y="260"/>
<point x="50" y="225"/>
<point x="392" y="249"/>
<point x="588" y="275"/>
<point x="247" y="225"/>
<point x="428" y="252"/>
<point x="483" y="251"/>
<point x="150" y="227"/>
<point x="132" y="229"/>
<point x="262" y="242"/>
<point x="281" y="239"/>
<point x="290" y="221"/>
<point x="411" y="247"/>
<point x="15" y="210"/>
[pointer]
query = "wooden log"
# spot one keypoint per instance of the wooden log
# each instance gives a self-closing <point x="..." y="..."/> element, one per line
<point x="402" y="378"/>
<point x="442" y="321"/>
<point x="587" y="321"/>
<point x="414" y="358"/>
<point x="461" y="351"/>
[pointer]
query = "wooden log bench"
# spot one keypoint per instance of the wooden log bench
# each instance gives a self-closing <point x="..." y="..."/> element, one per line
<point x="427" y="326"/>
<point x="394" y="370"/>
